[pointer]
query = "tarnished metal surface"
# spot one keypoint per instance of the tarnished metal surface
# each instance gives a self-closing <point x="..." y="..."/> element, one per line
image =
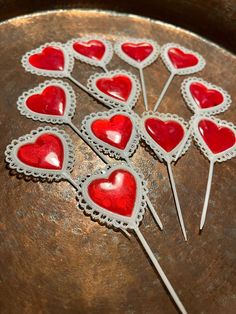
<point x="56" y="260"/>
<point x="214" y="19"/>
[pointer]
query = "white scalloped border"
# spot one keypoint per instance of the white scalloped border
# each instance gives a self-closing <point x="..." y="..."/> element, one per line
<point x="159" y="151"/>
<point x="105" y="147"/>
<point x="104" y="216"/>
<point x="165" y="58"/>
<point x="110" y="101"/>
<point x="69" y="61"/>
<point x="99" y="63"/>
<point x="140" y="65"/>
<point x="188" y="98"/>
<point x="220" y="157"/>
<point x="15" y="163"/>
<point x="69" y="108"/>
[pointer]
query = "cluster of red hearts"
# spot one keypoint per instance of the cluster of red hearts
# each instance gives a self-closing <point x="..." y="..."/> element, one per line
<point x="117" y="195"/>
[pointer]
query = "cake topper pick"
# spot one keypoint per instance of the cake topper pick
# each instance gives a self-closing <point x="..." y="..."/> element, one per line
<point x="100" y="195"/>
<point x="52" y="101"/>
<point x="114" y="133"/>
<point x="94" y="50"/>
<point x="217" y="140"/>
<point x="115" y="88"/>
<point x="138" y="52"/>
<point x="164" y="133"/>
<point x="203" y="98"/>
<point x="179" y="61"/>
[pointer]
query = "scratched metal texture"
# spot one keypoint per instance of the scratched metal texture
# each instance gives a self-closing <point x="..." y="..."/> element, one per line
<point x="54" y="259"/>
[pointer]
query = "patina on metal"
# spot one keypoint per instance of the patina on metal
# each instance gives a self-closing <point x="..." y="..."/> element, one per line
<point x="54" y="259"/>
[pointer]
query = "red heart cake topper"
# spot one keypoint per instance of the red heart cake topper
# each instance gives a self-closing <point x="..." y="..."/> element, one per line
<point x="114" y="196"/>
<point x="46" y="152"/>
<point x="164" y="133"/>
<point x="204" y="97"/>
<point x="115" y="88"/>
<point x="51" y="59"/>
<point x="138" y="52"/>
<point x="168" y="134"/>
<point x="216" y="138"/>
<point x="108" y="192"/>
<point x="115" y="131"/>
<point x="180" y="60"/>
<point x="52" y="101"/>
<point x="112" y="132"/>
<point x="119" y="86"/>
<point x="94" y="50"/>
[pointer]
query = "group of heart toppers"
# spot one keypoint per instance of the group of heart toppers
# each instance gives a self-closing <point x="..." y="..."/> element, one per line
<point x="117" y="195"/>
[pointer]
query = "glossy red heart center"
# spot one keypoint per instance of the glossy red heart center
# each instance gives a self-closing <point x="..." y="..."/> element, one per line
<point x="116" y="194"/>
<point x="204" y="97"/>
<point x="180" y="59"/>
<point x="118" y="87"/>
<point x="167" y="134"/>
<point x="115" y="131"/>
<point x="93" y="49"/>
<point x="51" y="58"/>
<point x="51" y="101"/>
<point x="218" y="138"/>
<point x="46" y="152"/>
<point x="138" y="52"/>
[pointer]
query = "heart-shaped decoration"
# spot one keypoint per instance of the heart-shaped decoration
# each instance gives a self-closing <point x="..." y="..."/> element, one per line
<point x="216" y="138"/>
<point x="137" y="52"/>
<point x="46" y="152"/>
<point x="180" y="60"/>
<point x="93" y="50"/>
<point x="115" y="88"/>
<point x="113" y="196"/>
<point x="167" y="134"/>
<point x="204" y="97"/>
<point x="164" y="133"/>
<point x="52" y="101"/>
<point x="119" y="86"/>
<point x="117" y="193"/>
<point x="50" y="59"/>
<point x="112" y="132"/>
<point x="115" y="131"/>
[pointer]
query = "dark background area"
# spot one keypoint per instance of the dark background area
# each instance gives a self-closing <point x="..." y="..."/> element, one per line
<point x="213" y="19"/>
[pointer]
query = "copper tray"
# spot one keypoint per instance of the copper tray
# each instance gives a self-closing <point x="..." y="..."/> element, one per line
<point x="56" y="260"/>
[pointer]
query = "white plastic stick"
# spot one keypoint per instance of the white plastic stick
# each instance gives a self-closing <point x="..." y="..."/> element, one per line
<point x="160" y="271"/>
<point x="71" y="181"/>
<point x="79" y="133"/>
<point x="143" y="89"/>
<point x="164" y="90"/>
<point x="149" y="203"/>
<point x="179" y="212"/>
<point x="80" y="85"/>
<point x="188" y="133"/>
<point x="104" y="69"/>
<point x="154" y="213"/>
<point x="208" y="190"/>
